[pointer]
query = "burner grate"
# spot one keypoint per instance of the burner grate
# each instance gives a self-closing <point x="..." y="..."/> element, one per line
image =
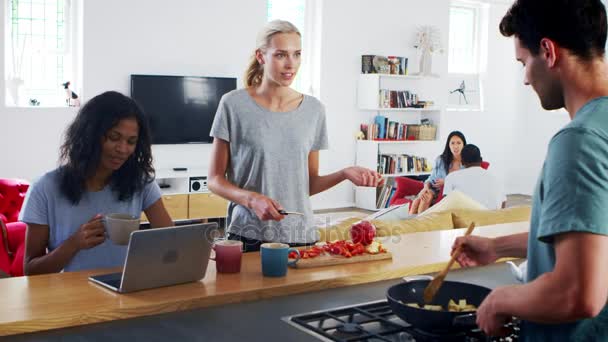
<point x="375" y="321"/>
<point x="364" y="323"/>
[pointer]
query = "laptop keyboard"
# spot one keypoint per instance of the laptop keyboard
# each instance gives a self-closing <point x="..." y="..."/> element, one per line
<point x="112" y="279"/>
<point x="114" y="282"/>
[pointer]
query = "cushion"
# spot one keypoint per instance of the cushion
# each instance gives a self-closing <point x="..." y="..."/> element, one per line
<point x="434" y="221"/>
<point x="16" y="269"/>
<point x="454" y="200"/>
<point x="426" y="223"/>
<point x="5" y="260"/>
<point x="12" y="194"/>
<point x="339" y="231"/>
<point x="395" y="212"/>
<point x="463" y="217"/>
<point x="16" y="241"/>
<point x="405" y="187"/>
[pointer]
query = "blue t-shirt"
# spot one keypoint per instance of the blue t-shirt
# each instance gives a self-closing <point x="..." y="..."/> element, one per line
<point x="439" y="171"/>
<point x="571" y="196"/>
<point x="45" y="204"/>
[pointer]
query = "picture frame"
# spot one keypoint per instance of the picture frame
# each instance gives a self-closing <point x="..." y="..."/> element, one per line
<point x="464" y="92"/>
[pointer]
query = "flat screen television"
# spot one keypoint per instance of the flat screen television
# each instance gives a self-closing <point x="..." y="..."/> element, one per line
<point x="180" y="109"/>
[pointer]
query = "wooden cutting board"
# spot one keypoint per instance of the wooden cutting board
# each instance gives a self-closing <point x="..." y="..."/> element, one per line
<point x="328" y="260"/>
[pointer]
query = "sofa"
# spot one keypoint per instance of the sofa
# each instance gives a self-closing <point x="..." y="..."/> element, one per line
<point x="407" y="187"/>
<point x="12" y="237"/>
<point x="441" y="220"/>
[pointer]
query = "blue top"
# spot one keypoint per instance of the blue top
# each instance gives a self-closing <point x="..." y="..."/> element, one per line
<point x="570" y="196"/>
<point x="45" y="204"/>
<point x="438" y="171"/>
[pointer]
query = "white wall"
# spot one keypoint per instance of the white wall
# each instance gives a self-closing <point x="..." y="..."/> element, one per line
<point x="203" y="37"/>
<point x="535" y="127"/>
<point x="351" y="29"/>
<point x="493" y="128"/>
<point x="185" y="37"/>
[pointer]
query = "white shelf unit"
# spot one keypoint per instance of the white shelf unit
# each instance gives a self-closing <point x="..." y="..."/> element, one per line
<point x="178" y="181"/>
<point x="367" y="156"/>
<point x="428" y="109"/>
<point x="368" y="99"/>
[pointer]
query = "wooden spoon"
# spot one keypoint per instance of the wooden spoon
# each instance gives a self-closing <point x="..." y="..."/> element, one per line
<point x="431" y="289"/>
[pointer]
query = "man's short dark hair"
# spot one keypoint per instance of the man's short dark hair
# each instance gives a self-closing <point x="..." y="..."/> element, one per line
<point x="470" y="154"/>
<point x="577" y="25"/>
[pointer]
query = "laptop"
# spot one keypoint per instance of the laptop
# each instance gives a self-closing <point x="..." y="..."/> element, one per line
<point x="162" y="257"/>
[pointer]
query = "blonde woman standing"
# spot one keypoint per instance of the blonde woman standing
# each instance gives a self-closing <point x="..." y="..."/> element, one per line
<point x="265" y="155"/>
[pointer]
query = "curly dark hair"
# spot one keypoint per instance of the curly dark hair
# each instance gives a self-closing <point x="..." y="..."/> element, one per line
<point x="577" y="25"/>
<point x="81" y="150"/>
<point x="447" y="155"/>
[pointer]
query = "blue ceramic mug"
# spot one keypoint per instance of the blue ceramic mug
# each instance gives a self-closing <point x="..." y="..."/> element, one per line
<point x="274" y="257"/>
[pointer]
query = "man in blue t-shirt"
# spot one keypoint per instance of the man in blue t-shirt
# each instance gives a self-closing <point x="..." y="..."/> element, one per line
<point x="561" y="46"/>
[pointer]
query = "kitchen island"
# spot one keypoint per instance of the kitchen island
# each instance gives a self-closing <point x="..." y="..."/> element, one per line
<point x="41" y="303"/>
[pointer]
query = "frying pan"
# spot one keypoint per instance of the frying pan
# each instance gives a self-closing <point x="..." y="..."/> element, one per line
<point x="411" y="291"/>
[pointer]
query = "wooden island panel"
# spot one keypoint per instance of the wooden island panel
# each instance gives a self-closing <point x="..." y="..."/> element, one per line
<point x="44" y="302"/>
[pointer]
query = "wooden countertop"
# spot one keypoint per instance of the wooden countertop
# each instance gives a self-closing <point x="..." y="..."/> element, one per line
<point x="44" y="302"/>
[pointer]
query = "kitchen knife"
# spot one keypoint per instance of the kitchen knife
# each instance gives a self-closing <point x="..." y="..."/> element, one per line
<point x="284" y="212"/>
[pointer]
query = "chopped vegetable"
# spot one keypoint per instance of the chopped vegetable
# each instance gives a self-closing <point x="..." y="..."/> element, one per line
<point x="462" y="306"/>
<point x="345" y="248"/>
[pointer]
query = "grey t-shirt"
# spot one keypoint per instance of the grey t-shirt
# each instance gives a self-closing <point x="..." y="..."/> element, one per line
<point x="269" y="155"/>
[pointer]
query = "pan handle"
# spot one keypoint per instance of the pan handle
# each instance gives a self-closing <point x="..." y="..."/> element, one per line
<point x="417" y="277"/>
<point x="467" y="321"/>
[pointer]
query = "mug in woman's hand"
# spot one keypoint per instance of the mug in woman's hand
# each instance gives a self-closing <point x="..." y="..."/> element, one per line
<point x="119" y="227"/>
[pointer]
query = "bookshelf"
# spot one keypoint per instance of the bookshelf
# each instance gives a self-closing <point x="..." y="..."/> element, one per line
<point x="431" y="109"/>
<point x="369" y="152"/>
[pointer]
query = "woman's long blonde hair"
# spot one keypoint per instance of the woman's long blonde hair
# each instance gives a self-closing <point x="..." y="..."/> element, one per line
<point x="255" y="71"/>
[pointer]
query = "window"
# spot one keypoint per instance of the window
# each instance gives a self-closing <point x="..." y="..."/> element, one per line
<point x="41" y="53"/>
<point x="467" y="54"/>
<point x="305" y="14"/>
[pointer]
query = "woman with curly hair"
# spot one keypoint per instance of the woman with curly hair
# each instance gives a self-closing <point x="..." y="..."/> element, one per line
<point x="106" y="167"/>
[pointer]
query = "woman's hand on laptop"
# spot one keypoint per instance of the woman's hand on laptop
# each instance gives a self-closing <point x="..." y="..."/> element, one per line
<point x="91" y="233"/>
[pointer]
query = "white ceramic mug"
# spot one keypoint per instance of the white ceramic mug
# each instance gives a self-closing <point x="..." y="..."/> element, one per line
<point x="119" y="227"/>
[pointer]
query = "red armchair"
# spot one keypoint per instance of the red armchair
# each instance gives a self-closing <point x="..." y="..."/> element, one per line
<point x="12" y="237"/>
<point x="411" y="187"/>
<point x="12" y="248"/>
<point x="12" y="194"/>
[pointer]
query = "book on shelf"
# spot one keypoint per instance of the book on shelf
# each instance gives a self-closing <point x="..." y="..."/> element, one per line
<point x="384" y="129"/>
<point x="377" y="64"/>
<point x="364" y="128"/>
<point x="403" y="65"/>
<point x="401" y="163"/>
<point x="388" y="129"/>
<point x="367" y="66"/>
<point x="381" y="122"/>
<point x="400" y="99"/>
<point x="384" y="194"/>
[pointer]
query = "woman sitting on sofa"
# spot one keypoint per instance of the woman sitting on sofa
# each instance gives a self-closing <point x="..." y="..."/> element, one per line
<point x="106" y="168"/>
<point x="447" y="162"/>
